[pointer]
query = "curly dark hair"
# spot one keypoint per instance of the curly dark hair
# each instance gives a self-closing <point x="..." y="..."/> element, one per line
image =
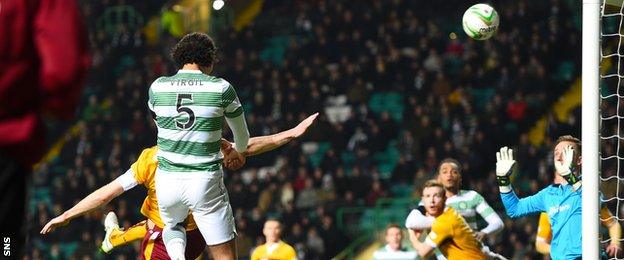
<point x="196" y="48"/>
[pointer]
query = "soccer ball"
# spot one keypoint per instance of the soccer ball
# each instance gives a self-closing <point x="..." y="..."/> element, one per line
<point x="480" y="21"/>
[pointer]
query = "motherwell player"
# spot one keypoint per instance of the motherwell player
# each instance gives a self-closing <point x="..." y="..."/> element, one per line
<point x="143" y="172"/>
<point x="449" y="231"/>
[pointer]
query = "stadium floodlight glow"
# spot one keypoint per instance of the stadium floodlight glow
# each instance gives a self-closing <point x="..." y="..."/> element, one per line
<point x="218" y="4"/>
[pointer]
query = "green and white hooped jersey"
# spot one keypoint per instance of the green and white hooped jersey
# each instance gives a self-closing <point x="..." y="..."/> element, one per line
<point x="469" y="203"/>
<point x="189" y="108"/>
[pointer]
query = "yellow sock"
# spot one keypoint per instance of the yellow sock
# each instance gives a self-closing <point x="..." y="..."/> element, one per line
<point x="122" y="237"/>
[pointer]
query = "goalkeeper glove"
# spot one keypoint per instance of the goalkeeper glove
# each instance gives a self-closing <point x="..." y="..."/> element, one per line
<point x="504" y="166"/>
<point x="566" y="167"/>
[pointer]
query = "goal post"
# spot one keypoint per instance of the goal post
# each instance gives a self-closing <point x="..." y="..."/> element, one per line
<point x="590" y="126"/>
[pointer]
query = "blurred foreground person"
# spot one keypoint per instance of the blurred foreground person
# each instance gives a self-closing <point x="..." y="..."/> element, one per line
<point x="43" y="61"/>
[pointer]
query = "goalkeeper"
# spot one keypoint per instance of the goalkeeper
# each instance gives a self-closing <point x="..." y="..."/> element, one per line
<point x="544" y="231"/>
<point x="562" y="202"/>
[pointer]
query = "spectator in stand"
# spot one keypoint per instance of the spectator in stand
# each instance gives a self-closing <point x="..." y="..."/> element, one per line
<point x="394" y="248"/>
<point x="274" y="247"/>
<point x="516" y="109"/>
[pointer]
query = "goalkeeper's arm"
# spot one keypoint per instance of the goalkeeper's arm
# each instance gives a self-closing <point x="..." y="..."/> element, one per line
<point x="514" y="206"/>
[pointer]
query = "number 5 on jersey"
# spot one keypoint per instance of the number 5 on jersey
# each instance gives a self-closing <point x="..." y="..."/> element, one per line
<point x="184" y="109"/>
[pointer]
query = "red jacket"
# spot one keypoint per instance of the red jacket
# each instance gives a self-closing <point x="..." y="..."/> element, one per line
<point x="43" y="60"/>
<point x="516" y="110"/>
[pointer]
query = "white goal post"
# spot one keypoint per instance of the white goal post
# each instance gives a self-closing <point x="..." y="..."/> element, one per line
<point x="590" y="134"/>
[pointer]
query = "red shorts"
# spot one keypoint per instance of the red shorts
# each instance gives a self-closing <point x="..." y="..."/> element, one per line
<point x="153" y="246"/>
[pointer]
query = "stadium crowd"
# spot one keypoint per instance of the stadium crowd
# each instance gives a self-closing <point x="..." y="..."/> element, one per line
<point x="399" y="87"/>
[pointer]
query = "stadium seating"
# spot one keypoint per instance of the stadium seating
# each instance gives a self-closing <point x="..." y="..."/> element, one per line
<point x="362" y="61"/>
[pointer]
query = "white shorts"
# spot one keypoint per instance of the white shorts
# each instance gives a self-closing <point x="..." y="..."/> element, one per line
<point x="202" y="193"/>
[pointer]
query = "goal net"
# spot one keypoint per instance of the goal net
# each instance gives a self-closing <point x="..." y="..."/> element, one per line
<point x="611" y="115"/>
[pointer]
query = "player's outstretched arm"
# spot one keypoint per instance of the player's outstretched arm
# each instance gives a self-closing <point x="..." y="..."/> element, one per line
<point x="504" y="168"/>
<point x="514" y="206"/>
<point x="418" y="221"/>
<point x="262" y="144"/>
<point x="96" y="199"/>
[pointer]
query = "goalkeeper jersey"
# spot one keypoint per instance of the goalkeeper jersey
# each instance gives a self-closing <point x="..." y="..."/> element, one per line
<point x="563" y="206"/>
<point x="544" y="232"/>
<point x="189" y="108"/>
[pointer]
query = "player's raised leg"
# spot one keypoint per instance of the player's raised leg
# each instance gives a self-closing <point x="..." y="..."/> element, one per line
<point x="116" y="237"/>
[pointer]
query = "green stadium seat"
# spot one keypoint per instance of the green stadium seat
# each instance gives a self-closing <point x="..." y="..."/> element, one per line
<point x="392" y="102"/>
<point x="348" y="159"/>
<point x="317" y="158"/>
<point x="481" y="96"/>
<point x="275" y="50"/>
<point x="401" y="190"/>
<point x="68" y="248"/>
<point x="386" y="161"/>
<point x="565" y="71"/>
<point x="368" y="220"/>
<point x="375" y="102"/>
